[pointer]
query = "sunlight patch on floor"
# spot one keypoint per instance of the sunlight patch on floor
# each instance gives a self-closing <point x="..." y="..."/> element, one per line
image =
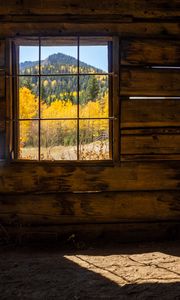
<point x="137" y="268"/>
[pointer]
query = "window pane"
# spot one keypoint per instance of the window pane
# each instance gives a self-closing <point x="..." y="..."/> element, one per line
<point x="59" y="55"/>
<point x="94" y="139"/>
<point x="93" y="55"/>
<point x="59" y="97"/>
<point x="59" y="140"/>
<point x="28" y="140"/>
<point x="28" y="97"/>
<point x="29" y="59"/>
<point x="94" y="96"/>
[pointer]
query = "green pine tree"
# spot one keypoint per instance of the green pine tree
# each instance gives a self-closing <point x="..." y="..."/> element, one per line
<point x="92" y="89"/>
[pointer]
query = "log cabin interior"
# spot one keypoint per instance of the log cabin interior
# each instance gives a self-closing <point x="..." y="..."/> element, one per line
<point x="129" y="191"/>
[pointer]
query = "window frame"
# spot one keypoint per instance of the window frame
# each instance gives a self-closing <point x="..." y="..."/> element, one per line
<point x="114" y="109"/>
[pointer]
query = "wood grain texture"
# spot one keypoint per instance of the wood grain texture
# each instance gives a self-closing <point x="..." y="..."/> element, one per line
<point x="150" y="141"/>
<point x="30" y="26"/>
<point x="150" y="157"/>
<point x="140" y="197"/>
<point x="53" y="177"/>
<point x="54" y="209"/>
<point x="111" y="233"/>
<point x="134" y="8"/>
<point x="149" y="82"/>
<point x="150" y="112"/>
<point x="150" y="52"/>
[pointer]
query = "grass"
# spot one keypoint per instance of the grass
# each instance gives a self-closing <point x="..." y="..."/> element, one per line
<point x="98" y="150"/>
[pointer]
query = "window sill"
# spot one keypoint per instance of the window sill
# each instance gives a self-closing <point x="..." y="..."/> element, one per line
<point x="95" y="163"/>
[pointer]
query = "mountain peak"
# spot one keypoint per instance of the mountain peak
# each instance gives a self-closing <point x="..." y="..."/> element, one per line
<point x="57" y="59"/>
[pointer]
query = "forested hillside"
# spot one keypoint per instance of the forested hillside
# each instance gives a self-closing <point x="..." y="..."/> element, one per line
<point x="63" y="87"/>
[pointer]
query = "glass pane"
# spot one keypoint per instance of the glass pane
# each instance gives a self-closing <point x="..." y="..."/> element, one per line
<point x="59" y="55"/>
<point x="59" y="140"/>
<point x="59" y="97"/>
<point x="29" y="59"/>
<point x="28" y="97"/>
<point x="94" y="140"/>
<point x="93" y="55"/>
<point x="28" y="140"/>
<point x="94" y="96"/>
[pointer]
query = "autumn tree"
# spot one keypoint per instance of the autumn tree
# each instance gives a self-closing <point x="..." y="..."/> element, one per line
<point x="28" y="109"/>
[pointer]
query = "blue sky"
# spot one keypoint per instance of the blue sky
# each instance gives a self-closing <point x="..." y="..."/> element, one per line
<point x="96" y="56"/>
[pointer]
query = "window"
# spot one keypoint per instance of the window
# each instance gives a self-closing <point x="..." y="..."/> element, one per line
<point x="63" y="99"/>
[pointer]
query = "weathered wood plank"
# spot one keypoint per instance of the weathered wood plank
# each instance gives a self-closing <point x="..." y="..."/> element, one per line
<point x="111" y="233"/>
<point x="64" y="208"/>
<point x="150" y="141"/>
<point x="67" y="27"/>
<point x="149" y="157"/>
<point x="53" y="177"/>
<point x="135" y="8"/>
<point x="150" y="82"/>
<point x="150" y="52"/>
<point x="150" y="112"/>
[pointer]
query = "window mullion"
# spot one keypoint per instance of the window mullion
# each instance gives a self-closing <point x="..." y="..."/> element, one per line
<point x="78" y="81"/>
<point x="39" y="104"/>
<point x="116" y="100"/>
<point x="15" y="107"/>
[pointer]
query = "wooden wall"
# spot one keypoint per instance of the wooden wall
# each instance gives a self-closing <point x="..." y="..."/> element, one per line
<point x="140" y="192"/>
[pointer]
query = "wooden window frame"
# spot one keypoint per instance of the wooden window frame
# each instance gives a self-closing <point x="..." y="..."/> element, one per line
<point x="11" y="100"/>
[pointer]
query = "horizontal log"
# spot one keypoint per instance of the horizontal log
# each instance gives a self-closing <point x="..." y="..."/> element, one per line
<point x="149" y="157"/>
<point x="62" y="27"/>
<point x="151" y="131"/>
<point x="19" y="177"/>
<point x="150" y="82"/>
<point x="150" y="141"/>
<point x="67" y="208"/>
<point x="150" y="52"/>
<point x="150" y="112"/>
<point x="135" y="8"/>
<point x="76" y="234"/>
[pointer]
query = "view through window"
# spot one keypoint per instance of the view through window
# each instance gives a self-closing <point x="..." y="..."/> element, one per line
<point x="63" y="109"/>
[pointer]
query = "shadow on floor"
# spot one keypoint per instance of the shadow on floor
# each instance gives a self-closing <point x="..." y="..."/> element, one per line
<point x="30" y="273"/>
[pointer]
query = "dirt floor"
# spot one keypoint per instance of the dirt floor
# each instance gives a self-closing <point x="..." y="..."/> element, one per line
<point x="128" y="271"/>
